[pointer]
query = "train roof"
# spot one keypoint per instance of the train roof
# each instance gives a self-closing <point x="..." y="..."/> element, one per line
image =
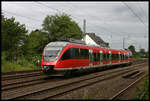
<point x="58" y="43"/>
<point x="64" y="43"/>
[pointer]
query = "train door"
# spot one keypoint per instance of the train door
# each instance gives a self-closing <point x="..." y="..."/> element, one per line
<point x="109" y="57"/>
<point x="124" y="58"/>
<point x="119" y="57"/>
<point x="90" y="58"/>
<point x="128" y="57"/>
<point x="101" y="57"/>
<point x="105" y="57"/>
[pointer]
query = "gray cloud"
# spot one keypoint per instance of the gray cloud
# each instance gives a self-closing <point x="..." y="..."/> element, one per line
<point x="106" y="19"/>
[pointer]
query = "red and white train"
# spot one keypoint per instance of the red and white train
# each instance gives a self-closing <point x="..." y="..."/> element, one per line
<point x="62" y="56"/>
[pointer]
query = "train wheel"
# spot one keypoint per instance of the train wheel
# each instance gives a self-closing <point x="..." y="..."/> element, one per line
<point x="68" y="73"/>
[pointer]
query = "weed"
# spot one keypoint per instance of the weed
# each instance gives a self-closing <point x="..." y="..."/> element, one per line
<point x="85" y="95"/>
<point x="144" y="89"/>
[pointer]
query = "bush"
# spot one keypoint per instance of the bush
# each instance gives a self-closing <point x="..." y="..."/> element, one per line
<point x="144" y="89"/>
<point x="20" y="65"/>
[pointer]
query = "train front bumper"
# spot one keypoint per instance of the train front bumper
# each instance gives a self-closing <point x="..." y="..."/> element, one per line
<point x="48" y="69"/>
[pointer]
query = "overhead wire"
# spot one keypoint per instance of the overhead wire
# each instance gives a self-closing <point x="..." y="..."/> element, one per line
<point x="76" y="17"/>
<point x="48" y="6"/>
<point x="20" y="15"/>
<point x="142" y="10"/>
<point x="59" y="11"/>
<point x="55" y="9"/>
<point x="132" y="11"/>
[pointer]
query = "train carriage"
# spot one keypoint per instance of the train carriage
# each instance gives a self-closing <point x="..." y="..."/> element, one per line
<point x="61" y="56"/>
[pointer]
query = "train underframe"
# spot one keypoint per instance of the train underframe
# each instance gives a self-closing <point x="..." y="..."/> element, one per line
<point x="50" y="70"/>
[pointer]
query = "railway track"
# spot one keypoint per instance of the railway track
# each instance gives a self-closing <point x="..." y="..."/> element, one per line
<point x="121" y="92"/>
<point x="63" y="87"/>
<point x="21" y="74"/>
<point x="30" y="73"/>
<point x="12" y="84"/>
<point x="18" y="72"/>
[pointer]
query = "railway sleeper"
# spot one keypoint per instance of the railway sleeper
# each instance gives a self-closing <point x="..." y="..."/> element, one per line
<point x="130" y="74"/>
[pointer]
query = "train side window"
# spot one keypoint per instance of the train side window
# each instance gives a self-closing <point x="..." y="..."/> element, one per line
<point x="123" y="57"/>
<point x="75" y="53"/>
<point x="120" y="56"/>
<point x="116" y="57"/>
<point x="108" y="55"/>
<point x="105" y="56"/>
<point x="66" y="55"/>
<point x="98" y="57"/>
<point x="84" y="53"/>
<point x="126" y="57"/>
<point x="94" y="56"/>
<point x="113" y="57"/>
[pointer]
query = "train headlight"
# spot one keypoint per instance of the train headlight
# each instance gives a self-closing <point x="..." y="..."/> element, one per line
<point x="44" y="66"/>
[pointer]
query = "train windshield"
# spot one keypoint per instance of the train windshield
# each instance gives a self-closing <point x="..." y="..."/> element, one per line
<point x="51" y="53"/>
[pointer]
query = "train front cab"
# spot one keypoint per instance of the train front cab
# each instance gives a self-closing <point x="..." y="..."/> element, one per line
<point x="50" y="56"/>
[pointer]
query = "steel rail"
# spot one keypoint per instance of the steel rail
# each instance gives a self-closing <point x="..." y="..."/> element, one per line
<point x="10" y="86"/>
<point x="18" y="74"/>
<point x="21" y="76"/>
<point x="32" y="74"/>
<point x="125" y="70"/>
<point x="123" y="90"/>
<point x="76" y="82"/>
<point x="13" y="73"/>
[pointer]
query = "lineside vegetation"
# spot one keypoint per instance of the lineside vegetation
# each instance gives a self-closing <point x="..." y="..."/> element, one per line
<point x="21" y="49"/>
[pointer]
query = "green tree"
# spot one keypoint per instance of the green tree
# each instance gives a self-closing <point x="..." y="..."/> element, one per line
<point x="142" y="52"/>
<point x="13" y="36"/>
<point x="34" y="44"/>
<point x="132" y="49"/>
<point x="61" y="26"/>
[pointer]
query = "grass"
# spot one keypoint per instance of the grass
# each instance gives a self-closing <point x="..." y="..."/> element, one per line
<point x="136" y="58"/>
<point x="22" y="65"/>
<point x="144" y="89"/>
<point x="85" y="96"/>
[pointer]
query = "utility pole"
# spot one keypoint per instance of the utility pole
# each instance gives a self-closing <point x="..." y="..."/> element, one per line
<point x="123" y="42"/>
<point x="84" y="26"/>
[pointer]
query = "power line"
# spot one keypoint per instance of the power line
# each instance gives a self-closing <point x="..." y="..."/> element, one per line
<point x="135" y="14"/>
<point x="27" y="26"/>
<point x="48" y="6"/>
<point x="55" y="9"/>
<point x="21" y="15"/>
<point x="142" y="10"/>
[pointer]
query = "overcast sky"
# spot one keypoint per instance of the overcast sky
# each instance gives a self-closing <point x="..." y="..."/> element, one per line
<point x="112" y="21"/>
